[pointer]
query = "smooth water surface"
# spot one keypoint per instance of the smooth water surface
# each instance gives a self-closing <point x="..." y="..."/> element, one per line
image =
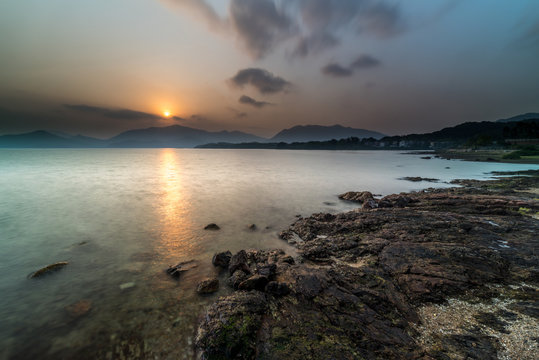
<point x="122" y="216"/>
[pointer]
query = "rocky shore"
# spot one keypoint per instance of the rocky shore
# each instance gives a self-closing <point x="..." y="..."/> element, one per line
<point x="437" y="274"/>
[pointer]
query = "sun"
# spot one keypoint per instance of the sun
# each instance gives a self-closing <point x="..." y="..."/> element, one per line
<point x="166" y="113"/>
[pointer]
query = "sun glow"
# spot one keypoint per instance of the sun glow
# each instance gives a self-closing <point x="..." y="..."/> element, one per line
<point x="167" y="113"/>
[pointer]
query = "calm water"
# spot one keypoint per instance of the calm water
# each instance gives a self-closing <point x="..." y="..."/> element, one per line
<point x="123" y="215"/>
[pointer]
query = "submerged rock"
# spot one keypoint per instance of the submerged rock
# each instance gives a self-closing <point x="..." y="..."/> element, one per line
<point x="127" y="285"/>
<point x="78" y="309"/>
<point x="178" y="269"/>
<point x="208" y="286"/>
<point x="212" y="226"/>
<point x="49" y="269"/>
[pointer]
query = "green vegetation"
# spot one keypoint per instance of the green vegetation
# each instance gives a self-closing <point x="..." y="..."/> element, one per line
<point x="530" y="152"/>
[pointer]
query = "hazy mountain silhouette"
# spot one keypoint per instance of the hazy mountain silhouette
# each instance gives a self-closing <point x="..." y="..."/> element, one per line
<point x="176" y="136"/>
<point x="302" y="133"/>
<point x="41" y="139"/>
<point x="527" y="116"/>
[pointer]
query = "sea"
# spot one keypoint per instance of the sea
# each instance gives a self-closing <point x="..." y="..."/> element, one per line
<point x="121" y="217"/>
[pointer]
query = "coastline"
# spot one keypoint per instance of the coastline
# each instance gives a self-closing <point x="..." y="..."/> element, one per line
<point x="483" y="155"/>
<point x="435" y="274"/>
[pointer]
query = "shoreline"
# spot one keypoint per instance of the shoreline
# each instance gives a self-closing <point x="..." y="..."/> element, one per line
<point x="381" y="281"/>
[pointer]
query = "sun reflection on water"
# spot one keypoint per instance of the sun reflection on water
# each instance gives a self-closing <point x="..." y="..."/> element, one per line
<point x="177" y="236"/>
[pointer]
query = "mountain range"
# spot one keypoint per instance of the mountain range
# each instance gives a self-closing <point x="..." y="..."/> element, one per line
<point x="176" y="136"/>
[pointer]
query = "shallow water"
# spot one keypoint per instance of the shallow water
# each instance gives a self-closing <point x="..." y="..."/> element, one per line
<point x="123" y="215"/>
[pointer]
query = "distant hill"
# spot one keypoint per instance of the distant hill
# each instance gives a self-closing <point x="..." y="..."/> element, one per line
<point x="527" y="116"/>
<point x="470" y="130"/>
<point x="176" y="136"/>
<point x="44" y="139"/>
<point x="322" y="133"/>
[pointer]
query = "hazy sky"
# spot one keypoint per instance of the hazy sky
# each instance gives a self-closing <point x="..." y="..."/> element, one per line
<point x="103" y="66"/>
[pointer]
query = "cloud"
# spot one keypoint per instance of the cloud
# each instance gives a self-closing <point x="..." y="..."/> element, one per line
<point x="262" y="80"/>
<point x="120" y="114"/>
<point x="337" y="70"/>
<point x="314" y="44"/>
<point x="244" y="99"/>
<point x="316" y="25"/>
<point x="365" y="61"/>
<point x="260" y="25"/>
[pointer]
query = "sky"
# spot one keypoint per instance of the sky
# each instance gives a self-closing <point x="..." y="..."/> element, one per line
<point x="101" y="67"/>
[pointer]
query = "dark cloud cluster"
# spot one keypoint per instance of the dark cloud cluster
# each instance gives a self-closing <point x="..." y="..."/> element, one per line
<point x="362" y="62"/>
<point x="247" y="100"/>
<point x="260" y="24"/>
<point x="316" y="25"/>
<point x="120" y="114"/>
<point x="336" y="70"/>
<point x="262" y="80"/>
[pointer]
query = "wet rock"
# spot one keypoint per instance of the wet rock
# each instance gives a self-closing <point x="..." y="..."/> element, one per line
<point x="426" y="157"/>
<point x="178" y="269"/>
<point x="277" y="289"/>
<point x="419" y="178"/>
<point x="222" y="259"/>
<point x="287" y="259"/>
<point x="212" y="226"/>
<point x="360" y="277"/>
<point x="208" y="286"/>
<point x="79" y="309"/>
<point x="236" y="278"/>
<point x="239" y="262"/>
<point x="360" y="197"/>
<point x="370" y="204"/>
<point x="49" y="269"/>
<point x="267" y="270"/>
<point x="230" y="327"/>
<point x="255" y="282"/>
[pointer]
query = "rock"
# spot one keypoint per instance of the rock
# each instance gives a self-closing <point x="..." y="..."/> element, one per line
<point x="235" y="279"/>
<point x="362" y="279"/>
<point x="267" y="270"/>
<point x="255" y="282"/>
<point x="78" y="309"/>
<point x="127" y="285"/>
<point x="287" y="259"/>
<point x="212" y="226"/>
<point x="208" y="286"/>
<point x="49" y="269"/>
<point x="229" y="329"/>
<point x="239" y="262"/>
<point x="277" y="289"/>
<point x="418" y="179"/>
<point x="252" y="227"/>
<point x="426" y="157"/>
<point x="359" y="197"/>
<point x="222" y="259"/>
<point x="370" y="204"/>
<point x="176" y="270"/>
